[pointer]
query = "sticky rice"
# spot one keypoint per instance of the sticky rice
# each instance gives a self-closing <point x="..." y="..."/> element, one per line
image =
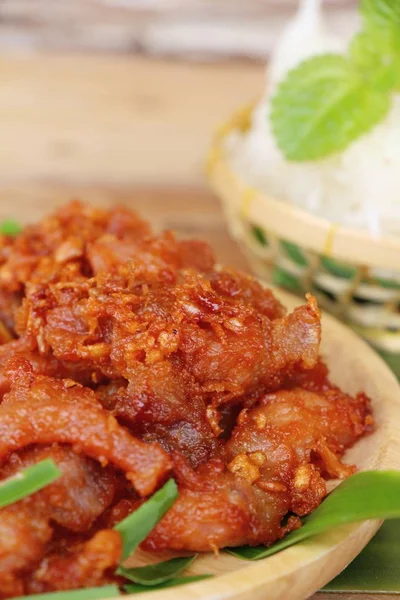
<point x="358" y="188"/>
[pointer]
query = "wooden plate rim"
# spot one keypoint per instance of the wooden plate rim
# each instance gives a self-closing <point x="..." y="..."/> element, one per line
<point x="313" y="563"/>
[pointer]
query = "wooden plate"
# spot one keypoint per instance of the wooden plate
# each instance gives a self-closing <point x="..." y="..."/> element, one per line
<point x="298" y="572"/>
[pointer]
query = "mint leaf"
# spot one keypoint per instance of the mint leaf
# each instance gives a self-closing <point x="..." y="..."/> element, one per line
<point x="375" y="52"/>
<point x="381" y="11"/>
<point x="322" y="106"/>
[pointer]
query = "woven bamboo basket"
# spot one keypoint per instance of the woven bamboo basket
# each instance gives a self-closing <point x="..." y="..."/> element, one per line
<point x="353" y="275"/>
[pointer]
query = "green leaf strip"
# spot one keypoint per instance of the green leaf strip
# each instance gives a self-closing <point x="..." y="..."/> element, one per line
<point x="376" y="569"/>
<point x="107" y="591"/>
<point x="28" y="482"/>
<point x="10" y="228"/>
<point x="157" y="573"/>
<point x="135" y="588"/>
<point x="137" y="526"/>
<point x="363" y="496"/>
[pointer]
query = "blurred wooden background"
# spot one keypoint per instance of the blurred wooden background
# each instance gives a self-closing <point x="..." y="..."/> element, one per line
<point x="115" y="119"/>
<point x="129" y="91"/>
<point x="190" y="29"/>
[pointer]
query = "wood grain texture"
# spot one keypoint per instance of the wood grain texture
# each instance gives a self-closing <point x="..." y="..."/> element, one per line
<point x="114" y="119"/>
<point x="297" y="572"/>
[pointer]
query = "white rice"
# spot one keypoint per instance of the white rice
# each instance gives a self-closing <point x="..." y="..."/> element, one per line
<point x="358" y="188"/>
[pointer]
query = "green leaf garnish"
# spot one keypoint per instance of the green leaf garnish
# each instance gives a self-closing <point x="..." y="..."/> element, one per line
<point x="382" y="12"/>
<point x="328" y="101"/>
<point x="107" y="591"/>
<point x="137" y="526"/>
<point x="363" y="496"/>
<point x="376" y="568"/>
<point x="159" y="572"/>
<point x="135" y="588"/>
<point x="10" y="228"/>
<point x="323" y="105"/>
<point x="375" y="52"/>
<point x="28" y="482"/>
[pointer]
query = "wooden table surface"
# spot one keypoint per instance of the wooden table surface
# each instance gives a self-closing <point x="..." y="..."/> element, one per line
<point x="123" y="130"/>
<point x="115" y="119"/>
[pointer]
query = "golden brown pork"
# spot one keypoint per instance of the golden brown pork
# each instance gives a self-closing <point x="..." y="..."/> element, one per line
<point x="273" y="464"/>
<point x="135" y="359"/>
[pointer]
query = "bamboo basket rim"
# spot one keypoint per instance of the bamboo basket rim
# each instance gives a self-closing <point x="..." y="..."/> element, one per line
<point x="290" y="222"/>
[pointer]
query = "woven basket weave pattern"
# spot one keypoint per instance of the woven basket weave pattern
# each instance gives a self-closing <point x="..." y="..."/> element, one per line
<point x="366" y="297"/>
